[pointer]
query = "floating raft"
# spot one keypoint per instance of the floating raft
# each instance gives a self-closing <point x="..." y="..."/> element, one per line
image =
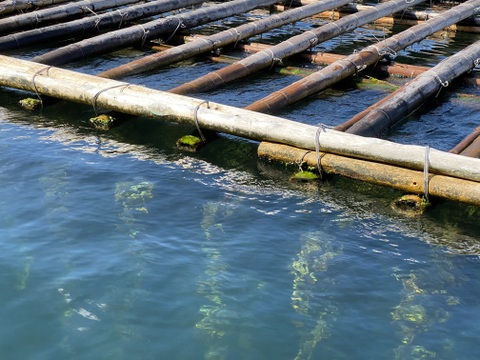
<point x="353" y="149"/>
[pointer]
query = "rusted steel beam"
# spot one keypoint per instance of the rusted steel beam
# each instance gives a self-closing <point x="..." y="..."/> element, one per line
<point x="292" y="46"/>
<point x="359" y="61"/>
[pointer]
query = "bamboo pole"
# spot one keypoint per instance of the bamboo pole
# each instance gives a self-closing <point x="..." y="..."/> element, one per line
<point x="140" y="101"/>
<point x="137" y="35"/>
<point x="357" y="62"/>
<point x="473" y="150"/>
<point x="40" y="17"/>
<point x="462" y="145"/>
<point x="7" y="7"/>
<point x="209" y="43"/>
<point x="324" y="58"/>
<point x="294" y="45"/>
<point x="410" y="97"/>
<point x="416" y="15"/>
<point x="84" y="26"/>
<point x="409" y="181"/>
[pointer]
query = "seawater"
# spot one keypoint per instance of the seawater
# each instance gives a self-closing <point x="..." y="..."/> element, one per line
<point x="115" y="245"/>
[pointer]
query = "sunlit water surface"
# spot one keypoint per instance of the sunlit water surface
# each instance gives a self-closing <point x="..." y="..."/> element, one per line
<point x="118" y="246"/>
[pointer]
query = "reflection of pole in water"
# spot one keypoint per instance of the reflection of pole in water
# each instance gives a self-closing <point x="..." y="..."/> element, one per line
<point x="316" y="253"/>
<point x="218" y="317"/>
<point x="421" y="309"/>
<point x="214" y="323"/>
<point x="132" y="197"/>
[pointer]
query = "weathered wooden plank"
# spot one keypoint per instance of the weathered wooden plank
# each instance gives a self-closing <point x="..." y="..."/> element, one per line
<point x="358" y="61"/>
<point x="141" y="101"/>
<point x="138" y="34"/>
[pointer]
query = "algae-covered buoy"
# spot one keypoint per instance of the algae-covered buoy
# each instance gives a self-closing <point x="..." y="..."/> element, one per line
<point x="102" y="122"/>
<point x="30" y="103"/>
<point x="190" y="143"/>
<point x="304" y="176"/>
<point x="410" y="205"/>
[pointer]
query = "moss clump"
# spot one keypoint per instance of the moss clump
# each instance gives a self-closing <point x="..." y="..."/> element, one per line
<point x="410" y="312"/>
<point x="190" y="143"/>
<point x="410" y="205"/>
<point x="102" y="122"/>
<point x="304" y="176"/>
<point x="30" y="103"/>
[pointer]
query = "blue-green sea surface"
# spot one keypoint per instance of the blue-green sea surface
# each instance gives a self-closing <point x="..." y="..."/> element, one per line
<point x="112" y="250"/>
<point x="116" y="245"/>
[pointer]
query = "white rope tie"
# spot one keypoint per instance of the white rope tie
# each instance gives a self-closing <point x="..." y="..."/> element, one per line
<point x="321" y="128"/>
<point x="426" y="165"/>
<point x="95" y="98"/>
<point x="33" y="80"/>
<point x="195" y="118"/>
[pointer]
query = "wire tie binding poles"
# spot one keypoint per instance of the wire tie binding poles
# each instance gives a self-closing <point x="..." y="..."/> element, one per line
<point x="144" y="36"/>
<point x="275" y="60"/>
<point x="195" y="118"/>
<point x="443" y="83"/>
<point x="358" y="68"/>
<point x="95" y="98"/>
<point x="122" y="16"/>
<point x="239" y="35"/>
<point x="314" y="40"/>
<point x="95" y="14"/>
<point x="302" y="160"/>
<point x="33" y="80"/>
<point x="320" y="129"/>
<point x="179" y="25"/>
<point x="426" y="165"/>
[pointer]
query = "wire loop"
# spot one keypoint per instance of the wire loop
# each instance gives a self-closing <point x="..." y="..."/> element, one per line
<point x="426" y="165"/>
<point x="95" y="98"/>
<point x="195" y="118"/>
<point x="33" y="80"/>
<point x="320" y="129"/>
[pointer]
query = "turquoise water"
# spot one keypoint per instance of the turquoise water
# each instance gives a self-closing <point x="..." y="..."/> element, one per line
<point x="115" y="245"/>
